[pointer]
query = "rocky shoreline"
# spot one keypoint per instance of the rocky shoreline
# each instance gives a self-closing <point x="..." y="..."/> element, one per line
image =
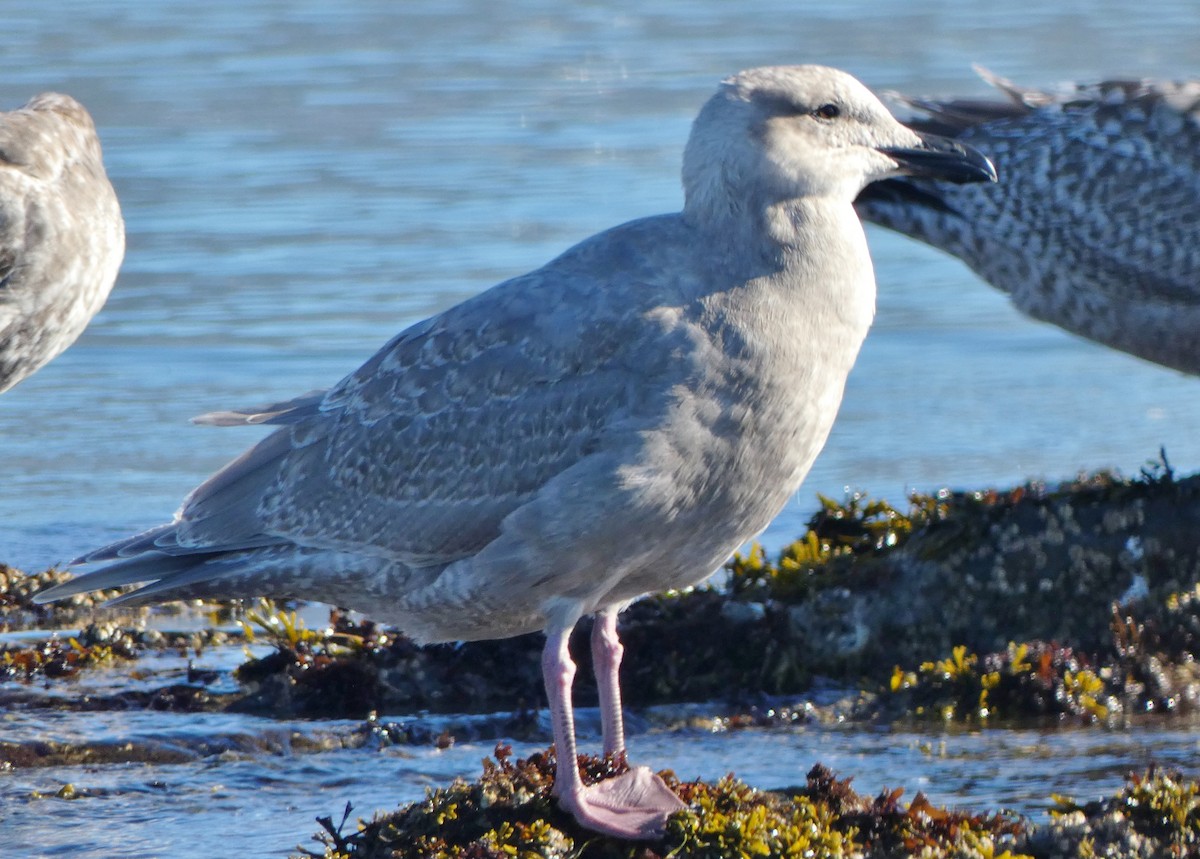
<point x="1077" y="604"/>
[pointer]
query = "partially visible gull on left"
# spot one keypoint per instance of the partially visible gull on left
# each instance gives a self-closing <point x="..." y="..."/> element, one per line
<point x="62" y="238"/>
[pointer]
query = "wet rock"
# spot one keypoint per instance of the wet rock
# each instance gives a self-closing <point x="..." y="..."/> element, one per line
<point x="743" y="613"/>
<point x="872" y="584"/>
<point x="1156" y="814"/>
<point x="18" y="611"/>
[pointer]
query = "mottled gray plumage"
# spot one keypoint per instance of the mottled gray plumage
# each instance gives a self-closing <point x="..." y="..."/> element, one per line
<point x="613" y="424"/>
<point x="61" y="234"/>
<point x="1095" y="224"/>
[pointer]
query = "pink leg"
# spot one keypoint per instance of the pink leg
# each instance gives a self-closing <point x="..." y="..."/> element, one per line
<point x="634" y="805"/>
<point x="606" y="660"/>
<point x="558" y="673"/>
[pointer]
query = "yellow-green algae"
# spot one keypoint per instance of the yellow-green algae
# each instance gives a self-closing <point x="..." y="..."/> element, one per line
<point x="96" y="644"/>
<point x="509" y="813"/>
<point x="838" y="535"/>
<point x="1148" y="666"/>
<point x="1157" y="814"/>
<point x="1038" y="679"/>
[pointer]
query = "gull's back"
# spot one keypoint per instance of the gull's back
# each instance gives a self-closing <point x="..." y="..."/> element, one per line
<point x="1095" y="223"/>
<point x="62" y="238"/>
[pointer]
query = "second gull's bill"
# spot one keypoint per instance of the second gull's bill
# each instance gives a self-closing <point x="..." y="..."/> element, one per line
<point x="613" y="424"/>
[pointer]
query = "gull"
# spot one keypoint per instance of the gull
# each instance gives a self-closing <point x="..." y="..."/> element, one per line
<point x="61" y="234"/>
<point x="613" y="424"/>
<point x="1096" y="227"/>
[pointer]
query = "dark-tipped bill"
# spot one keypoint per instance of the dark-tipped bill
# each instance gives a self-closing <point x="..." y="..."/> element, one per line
<point x="943" y="158"/>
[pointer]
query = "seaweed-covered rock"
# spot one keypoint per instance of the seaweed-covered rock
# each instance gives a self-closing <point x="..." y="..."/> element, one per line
<point x="96" y="644"/>
<point x="869" y="587"/>
<point x="18" y="610"/>
<point x="871" y="584"/>
<point x="509" y="812"/>
<point x="1157" y="814"/>
<point x="1146" y="666"/>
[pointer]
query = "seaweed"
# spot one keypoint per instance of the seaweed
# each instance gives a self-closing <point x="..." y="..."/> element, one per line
<point x="509" y="812"/>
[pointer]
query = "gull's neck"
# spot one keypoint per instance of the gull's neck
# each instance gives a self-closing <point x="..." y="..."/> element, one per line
<point x="772" y="232"/>
<point x="813" y="247"/>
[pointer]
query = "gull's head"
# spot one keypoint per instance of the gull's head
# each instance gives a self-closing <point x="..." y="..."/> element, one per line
<point x="786" y="132"/>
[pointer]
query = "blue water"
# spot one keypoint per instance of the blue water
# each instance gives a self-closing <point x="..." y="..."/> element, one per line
<point x="301" y="180"/>
<point x="301" y="183"/>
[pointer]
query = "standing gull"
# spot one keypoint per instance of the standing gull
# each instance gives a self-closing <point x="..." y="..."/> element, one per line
<point x="613" y="424"/>
<point x="1096" y="226"/>
<point x="61" y="234"/>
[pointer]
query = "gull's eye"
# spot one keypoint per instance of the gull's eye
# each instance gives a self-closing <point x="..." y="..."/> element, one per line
<point x="827" y="111"/>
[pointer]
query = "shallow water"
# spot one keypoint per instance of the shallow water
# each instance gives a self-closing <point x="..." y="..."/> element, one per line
<point x="258" y="784"/>
<point x="300" y="183"/>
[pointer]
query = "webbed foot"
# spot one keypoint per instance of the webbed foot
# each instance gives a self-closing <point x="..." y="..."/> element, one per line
<point x="634" y="805"/>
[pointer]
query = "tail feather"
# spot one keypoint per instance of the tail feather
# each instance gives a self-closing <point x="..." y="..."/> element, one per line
<point x="282" y="412"/>
<point x="146" y="567"/>
<point x="147" y="541"/>
<point x="208" y="571"/>
<point x="236" y="574"/>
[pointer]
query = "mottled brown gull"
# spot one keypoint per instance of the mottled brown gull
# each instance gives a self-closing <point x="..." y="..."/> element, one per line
<point x="613" y="424"/>
<point x="61" y="234"/>
<point x="1096" y="226"/>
